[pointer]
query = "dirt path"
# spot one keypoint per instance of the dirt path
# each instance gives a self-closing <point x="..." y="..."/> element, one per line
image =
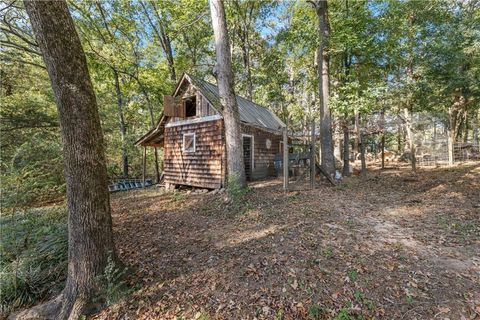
<point x="390" y="246"/>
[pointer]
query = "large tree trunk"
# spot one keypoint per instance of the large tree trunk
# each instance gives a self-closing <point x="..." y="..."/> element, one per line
<point x="121" y="123"/>
<point x="90" y="239"/>
<point x="231" y="117"/>
<point x="326" y="143"/>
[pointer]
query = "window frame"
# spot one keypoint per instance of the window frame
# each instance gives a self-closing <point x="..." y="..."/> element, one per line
<point x="189" y="134"/>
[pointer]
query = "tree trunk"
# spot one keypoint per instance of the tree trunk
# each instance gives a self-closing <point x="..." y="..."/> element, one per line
<point x="455" y="114"/>
<point x="152" y="124"/>
<point x="312" y="157"/>
<point x="231" y="117"/>
<point x="361" y="139"/>
<point x="399" y="139"/>
<point x="356" y="143"/>
<point x="162" y="37"/>
<point x="326" y="143"/>
<point x="465" y="127"/>
<point x="410" y="139"/>
<point x="246" y="62"/>
<point x="90" y="239"/>
<point x="382" y="120"/>
<point x="346" y="149"/>
<point x="475" y="122"/>
<point x="121" y="124"/>
<point x="243" y="32"/>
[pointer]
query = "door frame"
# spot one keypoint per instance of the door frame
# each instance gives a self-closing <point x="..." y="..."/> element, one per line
<point x="252" y="153"/>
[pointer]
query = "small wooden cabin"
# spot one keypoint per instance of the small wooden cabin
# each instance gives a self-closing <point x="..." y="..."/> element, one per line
<point x="191" y="132"/>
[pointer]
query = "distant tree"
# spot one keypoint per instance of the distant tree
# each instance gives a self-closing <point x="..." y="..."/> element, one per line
<point x="89" y="220"/>
<point x="235" y="165"/>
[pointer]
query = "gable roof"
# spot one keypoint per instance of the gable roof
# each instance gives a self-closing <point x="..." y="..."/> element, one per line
<point x="250" y="112"/>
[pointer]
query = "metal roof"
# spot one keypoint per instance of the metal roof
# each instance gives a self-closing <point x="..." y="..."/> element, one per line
<point x="250" y="112"/>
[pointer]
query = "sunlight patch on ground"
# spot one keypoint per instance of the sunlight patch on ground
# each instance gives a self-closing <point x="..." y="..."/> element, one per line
<point x="404" y="211"/>
<point x="246" y="236"/>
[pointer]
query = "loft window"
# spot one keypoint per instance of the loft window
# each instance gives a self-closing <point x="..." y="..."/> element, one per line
<point x="190" y="107"/>
<point x="188" y="142"/>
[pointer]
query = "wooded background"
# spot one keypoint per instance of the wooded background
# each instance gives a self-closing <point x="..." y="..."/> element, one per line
<point x="387" y="57"/>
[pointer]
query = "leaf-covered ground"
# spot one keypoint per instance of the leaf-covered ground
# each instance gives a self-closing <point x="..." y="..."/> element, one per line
<point x="391" y="246"/>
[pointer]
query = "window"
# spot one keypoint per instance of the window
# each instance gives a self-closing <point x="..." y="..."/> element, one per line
<point x="190" y="107"/>
<point x="188" y="142"/>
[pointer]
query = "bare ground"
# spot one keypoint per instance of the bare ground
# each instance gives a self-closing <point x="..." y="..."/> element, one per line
<point x="391" y="245"/>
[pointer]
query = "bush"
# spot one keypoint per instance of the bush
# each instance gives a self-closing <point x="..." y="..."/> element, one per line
<point x="237" y="194"/>
<point x="111" y="285"/>
<point x="33" y="175"/>
<point x="33" y="256"/>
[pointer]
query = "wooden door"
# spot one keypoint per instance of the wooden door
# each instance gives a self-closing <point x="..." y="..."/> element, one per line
<point x="247" y="156"/>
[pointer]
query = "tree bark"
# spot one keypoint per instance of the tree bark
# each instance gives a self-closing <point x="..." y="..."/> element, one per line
<point x="455" y="114"/>
<point x="346" y="149"/>
<point x="410" y="139"/>
<point x="90" y="239"/>
<point x="312" y="157"/>
<point x="231" y="117"/>
<point x="356" y="128"/>
<point x="399" y="139"/>
<point x="326" y="142"/>
<point x="475" y="123"/>
<point x="382" y="120"/>
<point x="121" y="123"/>
<point x="361" y="139"/>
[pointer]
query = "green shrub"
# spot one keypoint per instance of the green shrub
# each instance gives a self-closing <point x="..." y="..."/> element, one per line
<point x="111" y="284"/>
<point x="33" y="175"/>
<point x="236" y="193"/>
<point x="33" y="256"/>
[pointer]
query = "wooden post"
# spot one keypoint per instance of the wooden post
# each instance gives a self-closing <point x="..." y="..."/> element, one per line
<point x="144" y="165"/>
<point x="285" y="160"/>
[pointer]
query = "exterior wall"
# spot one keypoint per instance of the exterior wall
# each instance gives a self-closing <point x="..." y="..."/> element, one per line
<point x="202" y="168"/>
<point x="263" y="156"/>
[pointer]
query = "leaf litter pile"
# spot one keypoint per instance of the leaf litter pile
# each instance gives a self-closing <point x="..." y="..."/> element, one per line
<point x="390" y="245"/>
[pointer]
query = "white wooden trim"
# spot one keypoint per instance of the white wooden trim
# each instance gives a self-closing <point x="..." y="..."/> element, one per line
<point x="253" y="148"/>
<point x="194" y="142"/>
<point x="192" y="121"/>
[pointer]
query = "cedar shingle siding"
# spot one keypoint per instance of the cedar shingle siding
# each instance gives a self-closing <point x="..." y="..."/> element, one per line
<point x="202" y="168"/>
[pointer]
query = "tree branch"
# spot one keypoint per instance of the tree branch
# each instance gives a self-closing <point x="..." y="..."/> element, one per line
<point x="8" y="59"/>
<point x="19" y="47"/>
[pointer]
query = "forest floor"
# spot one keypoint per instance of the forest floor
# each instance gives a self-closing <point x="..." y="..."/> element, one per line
<point x="391" y="245"/>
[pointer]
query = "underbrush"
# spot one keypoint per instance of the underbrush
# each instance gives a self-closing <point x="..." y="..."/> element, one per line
<point x="33" y="256"/>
